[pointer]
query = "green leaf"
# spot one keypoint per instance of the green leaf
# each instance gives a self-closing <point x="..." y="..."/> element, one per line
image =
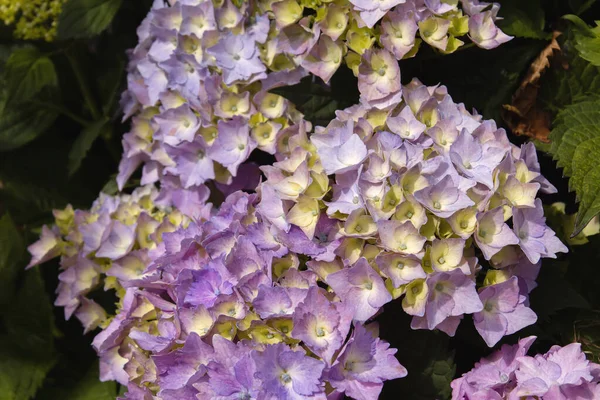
<point x="81" y="386"/>
<point x="544" y="299"/>
<point x="90" y="387"/>
<point x="84" y="142"/>
<point x="20" y="376"/>
<point x="430" y="362"/>
<point x="587" y="39"/>
<point x="576" y="147"/>
<point x="12" y="249"/>
<point x="523" y="19"/>
<point x="86" y="18"/>
<point x="563" y="86"/>
<point x="27" y="350"/>
<point x="317" y="102"/>
<point x="30" y="203"/>
<point x="22" y="123"/>
<point x="27" y="72"/>
<point x="111" y="188"/>
<point x="580" y="6"/>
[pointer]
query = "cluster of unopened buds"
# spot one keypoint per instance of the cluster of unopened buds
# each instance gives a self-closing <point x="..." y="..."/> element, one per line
<point x="32" y="19"/>
<point x="270" y="295"/>
<point x="563" y="373"/>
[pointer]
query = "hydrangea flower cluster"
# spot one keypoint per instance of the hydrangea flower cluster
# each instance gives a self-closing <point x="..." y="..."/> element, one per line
<point x="124" y="229"/>
<point x="416" y="200"/>
<point x="563" y="373"/>
<point x="209" y="309"/>
<point x="200" y="76"/>
<point x="226" y="311"/>
<point x="271" y="296"/>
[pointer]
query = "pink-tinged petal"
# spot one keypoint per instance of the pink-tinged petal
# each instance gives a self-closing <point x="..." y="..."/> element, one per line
<point x="46" y="248"/>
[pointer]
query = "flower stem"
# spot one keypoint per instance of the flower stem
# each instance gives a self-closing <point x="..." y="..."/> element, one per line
<point x="83" y="86"/>
<point x="62" y="110"/>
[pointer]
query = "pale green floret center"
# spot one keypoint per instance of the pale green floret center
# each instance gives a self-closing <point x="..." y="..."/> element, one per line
<point x="415" y="290"/>
<point x="234" y="108"/>
<point x="464" y="225"/>
<point x="439" y="287"/>
<point x="285" y="329"/>
<point x="441" y="260"/>
<point x="265" y="135"/>
<point x="400" y="265"/>
<point x="482" y="233"/>
<point x="236" y="57"/>
<point x="320" y="332"/>
<point x="402" y="246"/>
<point x="392" y="202"/>
<point x="269" y="335"/>
<point x="488" y="307"/>
<point x="437" y="205"/>
<point x="369" y="285"/>
<point x="286" y="378"/>
<point x="241" y="147"/>
<point x="355" y="199"/>
<point x="358" y="228"/>
<point x="186" y="124"/>
<point x="409" y="215"/>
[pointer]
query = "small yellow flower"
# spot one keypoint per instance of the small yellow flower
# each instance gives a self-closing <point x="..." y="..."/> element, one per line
<point x="32" y="19"/>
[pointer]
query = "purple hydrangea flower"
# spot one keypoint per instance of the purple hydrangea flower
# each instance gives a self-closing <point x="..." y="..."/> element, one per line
<point x="503" y="311"/>
<point x="535" y="238"/>
<point x="484" y="32"/>
<point x="238" y="57"/>
<point x="492" y="234"/>
<point x="371" y="11"/>
<point x="363" y="365"/>
<point x="360" y="288"/>
<point x="288" y="374"/>
<point x="320" y="324"/>
<point x="443" y="198"/>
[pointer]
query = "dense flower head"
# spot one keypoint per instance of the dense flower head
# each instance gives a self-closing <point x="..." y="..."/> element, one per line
<point x="201" y="73"/>
<point x="215" y="306"/>
<point x="421" y="198"/>
<point x="111" y="244"/>
<point x="416" y="201"/>
<point x="561" y="373"/>
<point x="271" y="294"/>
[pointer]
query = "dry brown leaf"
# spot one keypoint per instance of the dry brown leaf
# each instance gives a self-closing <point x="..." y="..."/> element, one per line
<point x="523" y="115"/>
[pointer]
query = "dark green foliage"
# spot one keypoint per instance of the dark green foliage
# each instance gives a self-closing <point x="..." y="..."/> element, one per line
<point x="86" y="18"/>
<point x="60" y="134"/>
